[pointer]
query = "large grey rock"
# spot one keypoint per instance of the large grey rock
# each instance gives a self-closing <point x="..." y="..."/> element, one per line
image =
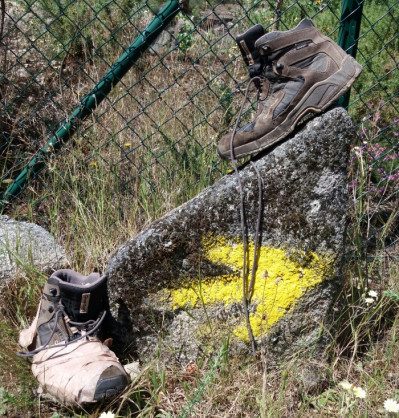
<point x="180" y="279"/>
<point x="23" y="245"/>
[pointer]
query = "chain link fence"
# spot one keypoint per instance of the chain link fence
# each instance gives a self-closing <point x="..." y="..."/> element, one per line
<point x="151" y="143"/>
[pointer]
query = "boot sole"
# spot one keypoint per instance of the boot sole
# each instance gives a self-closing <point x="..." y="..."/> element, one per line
<point x="349" y="71"/>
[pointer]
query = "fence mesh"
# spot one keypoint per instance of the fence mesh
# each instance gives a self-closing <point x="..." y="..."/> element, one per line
<point x="151" y="144"/>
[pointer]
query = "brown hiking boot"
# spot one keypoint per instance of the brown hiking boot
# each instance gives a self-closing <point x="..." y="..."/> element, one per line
<point x="297" y="72"/>
<point x="69" y="361"/>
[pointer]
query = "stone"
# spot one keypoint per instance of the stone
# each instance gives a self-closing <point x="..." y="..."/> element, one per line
<point x="178" y="284"/>
<point x="220" y="16"/>
<point x="26" y="245"/>
<point x="162" y="43"/>
<point x="133" y="369"/>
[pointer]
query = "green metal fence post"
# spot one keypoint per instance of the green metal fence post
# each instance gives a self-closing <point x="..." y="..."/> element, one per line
<point x="351" y="18"/>
<point x="92" y="100"/>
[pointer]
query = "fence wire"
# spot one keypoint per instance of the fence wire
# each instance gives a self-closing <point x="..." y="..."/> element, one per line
<point x="151" y="144"/>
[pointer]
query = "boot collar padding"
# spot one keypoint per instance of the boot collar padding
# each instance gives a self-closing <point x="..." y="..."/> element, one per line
<point x="288" y="38"/>
<point x="76" y="279"/>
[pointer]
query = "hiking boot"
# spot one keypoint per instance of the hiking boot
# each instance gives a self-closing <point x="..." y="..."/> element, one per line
<point x="69" y="360"/>
<point x="297" y="72"/>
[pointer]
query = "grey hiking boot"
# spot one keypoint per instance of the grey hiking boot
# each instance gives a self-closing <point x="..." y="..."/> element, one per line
<point x="297" y="72"/>
<point x="69" y="360"/>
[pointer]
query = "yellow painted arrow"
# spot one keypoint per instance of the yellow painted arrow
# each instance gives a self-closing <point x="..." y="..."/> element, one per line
<point x="281" y="280"/>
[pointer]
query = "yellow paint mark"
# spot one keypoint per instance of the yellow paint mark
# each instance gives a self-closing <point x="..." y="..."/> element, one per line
<point x="280" y="281"/>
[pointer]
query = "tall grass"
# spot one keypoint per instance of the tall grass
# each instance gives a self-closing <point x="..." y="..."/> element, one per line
<point x="150" y="148"/>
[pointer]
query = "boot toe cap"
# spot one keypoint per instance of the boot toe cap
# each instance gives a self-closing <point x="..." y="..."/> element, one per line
<point x="111" y="382"/>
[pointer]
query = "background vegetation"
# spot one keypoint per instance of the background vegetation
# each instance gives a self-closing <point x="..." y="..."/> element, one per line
<point x="151" y="146"/>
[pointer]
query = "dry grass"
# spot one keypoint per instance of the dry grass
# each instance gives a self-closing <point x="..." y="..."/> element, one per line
<point x="145" y="153"/>
<point x="363" y="351"/>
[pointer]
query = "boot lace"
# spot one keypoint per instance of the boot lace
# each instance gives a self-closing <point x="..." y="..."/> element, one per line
<point x="85" y="329"/>
<point x="248" y="289"/>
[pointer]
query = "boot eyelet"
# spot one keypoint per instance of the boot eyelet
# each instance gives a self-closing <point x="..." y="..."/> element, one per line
<point x="279" y="66"/>
<point x="53" y="291"/>
<point x="265" y="48"/>
<point x="50" y="309"/>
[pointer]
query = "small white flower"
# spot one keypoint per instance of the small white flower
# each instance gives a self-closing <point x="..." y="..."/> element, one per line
<point x="373" y="294"/>
<point x="108" y="414"/>
<point x="359" y="392"/>
<point x="391" y="405"/>
<point x="369" y="300"/>
<point x="345" y="385"/>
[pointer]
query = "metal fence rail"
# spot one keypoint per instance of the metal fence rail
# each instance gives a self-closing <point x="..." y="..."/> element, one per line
<point x="151" y="142"/>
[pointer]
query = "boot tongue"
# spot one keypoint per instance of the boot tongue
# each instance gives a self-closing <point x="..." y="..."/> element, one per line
<point x="250" y="54"/>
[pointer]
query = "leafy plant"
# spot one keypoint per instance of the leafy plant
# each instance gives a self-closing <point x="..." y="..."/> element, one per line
<point x="5" y="399"/>
<point x="186" y="36"/>
<point x="376" y="164"/>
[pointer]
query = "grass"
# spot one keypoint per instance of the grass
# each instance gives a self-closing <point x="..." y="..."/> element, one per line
<point x="363" y="350"/>
<point x="217" y="385"/>
<point x="150" y="149"/>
